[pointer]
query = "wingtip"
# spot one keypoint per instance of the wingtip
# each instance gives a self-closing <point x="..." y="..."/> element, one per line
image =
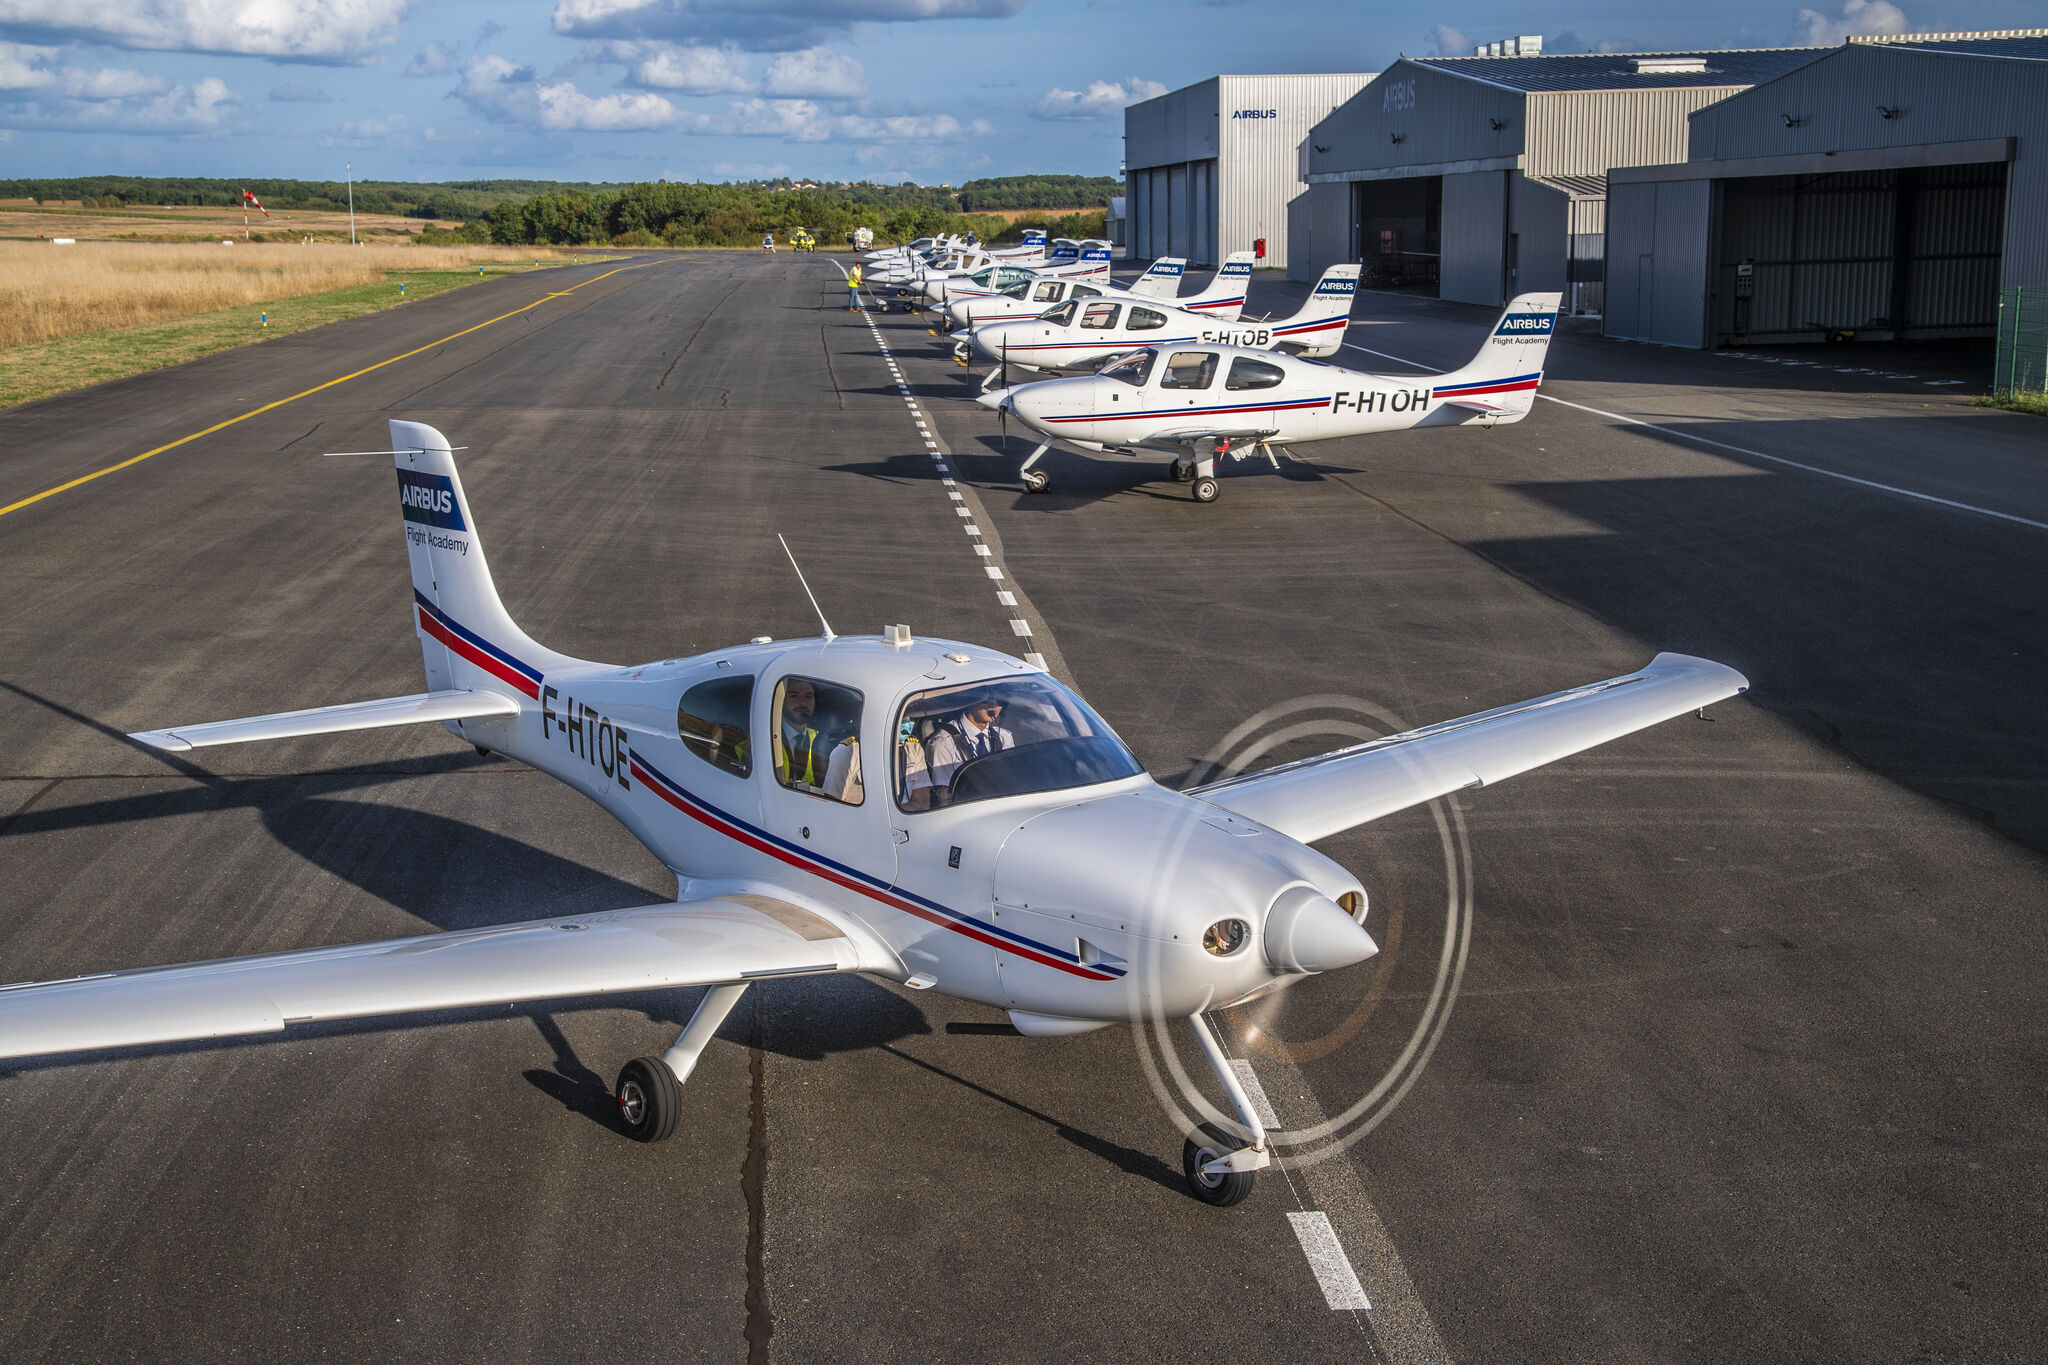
<point x="161" y="739"/>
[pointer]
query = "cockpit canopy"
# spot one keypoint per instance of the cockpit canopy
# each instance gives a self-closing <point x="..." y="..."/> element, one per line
<point x="1005" y="737"/>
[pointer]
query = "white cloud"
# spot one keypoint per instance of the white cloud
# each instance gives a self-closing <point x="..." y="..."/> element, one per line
<point x="383" y="132"/>
<point x="1450" y="42"/>
<point x="805" y="121"/>
<point x="691" y="69"/>
<point x="1100" y="100"/>
<point x="435" y="59"/>
<point x="299" y="94"/>
<point x="757" y="25"/>
<point x="120" y="101"/>
<point x="817" y="72"/>
<point x="324" y="30"/>
<point x="1811" y="28"/>
<point x="505" y="93"/>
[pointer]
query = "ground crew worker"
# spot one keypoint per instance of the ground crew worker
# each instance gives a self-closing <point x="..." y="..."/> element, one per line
<point x="853" y="288"/>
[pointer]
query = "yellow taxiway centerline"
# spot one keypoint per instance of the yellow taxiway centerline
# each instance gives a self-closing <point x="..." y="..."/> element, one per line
<point x="182" y="440"/>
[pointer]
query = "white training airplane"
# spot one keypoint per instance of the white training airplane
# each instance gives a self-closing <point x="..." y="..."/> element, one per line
<point x="1204" y="403"/>
<point x="1080" y="336"/>
<point x="1223" y="297"/>
<point x="937" y="814"/>
<point x="1009" y="286"/>
<point x="913" y="250"/>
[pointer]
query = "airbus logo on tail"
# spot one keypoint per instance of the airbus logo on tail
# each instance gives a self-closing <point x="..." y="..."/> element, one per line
<point x="1527" y="324"/>
<point x="1337" y="287"/>
<point x="430" y="500"/>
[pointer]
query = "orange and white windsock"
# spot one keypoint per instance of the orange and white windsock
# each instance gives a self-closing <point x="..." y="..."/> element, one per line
<point x="249" y="198"/>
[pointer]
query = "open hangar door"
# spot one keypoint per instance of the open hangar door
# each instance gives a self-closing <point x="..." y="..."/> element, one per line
<point x="1398" y="232"/>
<point x="1905" y="254"/>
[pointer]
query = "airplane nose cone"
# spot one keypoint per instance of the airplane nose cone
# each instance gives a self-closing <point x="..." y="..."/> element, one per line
<point x="995" y="399"/>
<point x="1308" y="932"/>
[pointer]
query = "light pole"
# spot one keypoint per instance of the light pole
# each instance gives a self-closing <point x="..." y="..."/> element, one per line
<point x="349" y="171"/>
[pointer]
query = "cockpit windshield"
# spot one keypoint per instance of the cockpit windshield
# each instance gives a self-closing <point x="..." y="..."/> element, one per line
<point x="1007" y="737"/>
<point x="1016" y="291"/>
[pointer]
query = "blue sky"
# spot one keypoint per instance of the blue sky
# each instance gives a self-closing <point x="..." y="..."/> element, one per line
<point x="931" y="90"/>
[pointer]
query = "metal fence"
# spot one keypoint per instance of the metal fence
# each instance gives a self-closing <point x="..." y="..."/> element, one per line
<point x="2022" y="341"/>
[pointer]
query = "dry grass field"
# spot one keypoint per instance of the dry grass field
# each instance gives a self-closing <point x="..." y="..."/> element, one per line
<point x="180" y="223"/>
<point x="49" y="291"/>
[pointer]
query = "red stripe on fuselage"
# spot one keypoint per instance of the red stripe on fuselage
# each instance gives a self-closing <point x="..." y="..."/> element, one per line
<point x="497" y="668"/>
<point x="802" y="864"/>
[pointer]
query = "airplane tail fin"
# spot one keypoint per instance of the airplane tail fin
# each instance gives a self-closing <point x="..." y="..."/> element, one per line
<point x="467" y="638"/>
<point x="1096" y="259"/>
<point x="1501" y="381"/>
<point x="1318" y="329"/>
<point x="1224" y="296"/>
<point x="1162" y="279"/>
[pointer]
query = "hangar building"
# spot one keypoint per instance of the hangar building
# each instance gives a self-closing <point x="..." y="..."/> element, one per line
<point x="1212" y="167"/>
<point x="1484" y="177"/>
<point x="1887" y="190"/>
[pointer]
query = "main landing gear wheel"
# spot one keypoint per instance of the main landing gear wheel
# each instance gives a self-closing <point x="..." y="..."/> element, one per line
<point x="1206" y="490"/>
<point x="1219" y="1188"/>
<point x="649" y="1099"/>
<point x="1035" y="480"/>
<point x="1183" y="472"/>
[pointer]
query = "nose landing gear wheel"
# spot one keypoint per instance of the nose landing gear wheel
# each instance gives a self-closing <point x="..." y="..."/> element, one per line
<point x="649" y="1099"/>
<point x="1222" y="1188"/>
<point x="1036" y="480"/>
<point x="1206" y="490"/>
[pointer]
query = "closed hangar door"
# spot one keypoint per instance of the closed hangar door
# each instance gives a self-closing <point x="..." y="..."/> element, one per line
<point x="1907" y="254"/>
<point x="1399" y="232"/>
<point x="1202" y="207"/>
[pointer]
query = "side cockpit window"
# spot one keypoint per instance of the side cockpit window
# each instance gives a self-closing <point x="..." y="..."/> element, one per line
<point x="712" y="720"/>
<point x="816" y="740"/>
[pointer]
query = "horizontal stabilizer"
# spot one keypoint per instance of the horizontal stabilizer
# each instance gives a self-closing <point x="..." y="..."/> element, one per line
<point x="1318" y="797"/>
<point x="689" y="943"/>
<point x="330" y="720"/>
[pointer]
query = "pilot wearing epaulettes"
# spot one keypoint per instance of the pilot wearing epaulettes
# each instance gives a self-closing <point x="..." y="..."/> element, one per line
<point x="970" y="735"/>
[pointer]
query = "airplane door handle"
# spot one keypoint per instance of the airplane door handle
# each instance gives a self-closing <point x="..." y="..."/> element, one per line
<point x="901" y="836"/>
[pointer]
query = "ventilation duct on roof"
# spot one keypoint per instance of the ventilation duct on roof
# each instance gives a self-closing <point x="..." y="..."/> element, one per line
<point x="1666" y="66"/>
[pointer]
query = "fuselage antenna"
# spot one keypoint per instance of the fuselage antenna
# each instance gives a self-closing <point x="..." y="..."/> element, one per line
<point x="807" y="588"/>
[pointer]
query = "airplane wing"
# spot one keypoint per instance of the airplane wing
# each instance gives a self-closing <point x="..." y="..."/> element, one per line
<point x="1318" y="797"/>
<point x="327" y="720"/>
<point x="687" y="943"/>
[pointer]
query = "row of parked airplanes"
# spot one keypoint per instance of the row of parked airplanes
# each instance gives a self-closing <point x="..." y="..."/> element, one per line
<point x="1141" y="367"/>
<point x="976" y="830"/>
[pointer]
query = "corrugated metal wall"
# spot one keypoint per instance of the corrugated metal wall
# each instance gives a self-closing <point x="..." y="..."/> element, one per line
<point x="1588" y="132"/>
<point x="1834" y="104"/>
<point x="1325" y="210"/>
<point x="1474" y="236"/>
<point x="1437" y="117"/>
<point x="1262" y="161"/>
<point x="1538" y="244"/>
<point x="1178" y="126"/>
<point x="1657" y="236"/>
<point x="1905" y="253"/>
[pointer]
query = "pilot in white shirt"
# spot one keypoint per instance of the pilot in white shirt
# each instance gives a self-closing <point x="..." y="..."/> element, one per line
<point x="968" y="736"/>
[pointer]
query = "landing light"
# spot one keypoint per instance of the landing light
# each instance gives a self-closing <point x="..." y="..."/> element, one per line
<point x="1225" y="936"/>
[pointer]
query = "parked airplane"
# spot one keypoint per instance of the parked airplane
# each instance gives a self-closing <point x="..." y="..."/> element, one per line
<point x="1222" y="298"/>
<point x="1078" y="336"/>
<point x="1010" y="282"/>
<point x="997" y="842"/>
<point x="1204" y="403"/>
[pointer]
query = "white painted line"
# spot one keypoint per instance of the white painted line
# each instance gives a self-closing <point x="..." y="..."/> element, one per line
<point x="1008" y="599"/>
<point x="1018" y="627"/>
<point x="1684" y="435"/>
<point x="983" y="550"/>
<point x="956" y="496"/>
<point x="993" y="571"/>
<point x="962" y="510"/>
<point x="1035" y="660"/>
<point x="947" y="482"/>
<point x="1254" y="1091"/>
<point x="971" y="529"/>
<point x="1341" y="1289"/>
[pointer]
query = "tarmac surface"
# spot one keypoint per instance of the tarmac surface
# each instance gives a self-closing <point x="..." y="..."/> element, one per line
<point x="1722" y="1041"/>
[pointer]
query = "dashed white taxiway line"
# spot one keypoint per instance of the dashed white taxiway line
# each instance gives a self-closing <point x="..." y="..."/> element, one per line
<point x="1402" y="1327"/>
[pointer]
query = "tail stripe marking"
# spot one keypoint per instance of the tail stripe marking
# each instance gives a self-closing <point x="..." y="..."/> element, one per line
<point x="475" y="648"/>
<point x="1516" y="384"/>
